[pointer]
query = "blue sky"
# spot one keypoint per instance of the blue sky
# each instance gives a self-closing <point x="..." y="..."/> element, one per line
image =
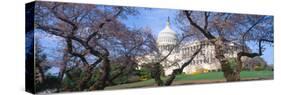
<point x="156" y="20"/>
<point x="268" y="55"/>
<point x="153" y="18"/>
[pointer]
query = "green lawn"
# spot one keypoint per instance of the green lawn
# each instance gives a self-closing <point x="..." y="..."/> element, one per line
<point x="219" y="75"/>
<point x="199" y="78"/>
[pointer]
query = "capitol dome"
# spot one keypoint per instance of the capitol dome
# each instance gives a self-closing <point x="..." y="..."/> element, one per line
<point x="167" y="36"/>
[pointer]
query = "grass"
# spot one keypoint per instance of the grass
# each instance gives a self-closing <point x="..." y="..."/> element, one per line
<point x="199" y="78"/>
<point x="219" y="75"/>
<point x="256" y="74"/>
<point x="205" y="76"/>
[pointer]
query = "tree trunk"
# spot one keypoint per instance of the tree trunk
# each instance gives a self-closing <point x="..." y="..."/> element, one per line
<point x="86" y="78"/>
<point x="156" y="74"/>
<point x="100" y="84"/>
<point x="61" y="74"/>
<point x="230" y="74"/>
<point x="170" y="80"/>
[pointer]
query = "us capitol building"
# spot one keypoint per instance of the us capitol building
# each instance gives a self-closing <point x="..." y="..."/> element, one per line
<point x="204" y="61"/>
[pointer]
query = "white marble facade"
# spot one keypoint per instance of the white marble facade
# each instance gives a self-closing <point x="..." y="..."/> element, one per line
<point x="167" y="39"/>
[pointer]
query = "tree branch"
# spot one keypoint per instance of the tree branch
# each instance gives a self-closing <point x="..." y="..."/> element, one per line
<point x="207" y="34"/>
<point x="249" y="29"/>
<point x="63" y="18"/>
<point x="170" y="51"/>
<point x="180" y="70"/>
<point x="70" y="50"/>
<point x="207" y="14"/>
<point x="251" y="55"/>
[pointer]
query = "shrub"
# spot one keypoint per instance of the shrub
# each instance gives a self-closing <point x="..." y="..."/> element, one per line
<point x="199" y="71"/>
<point x="144" y="73"/>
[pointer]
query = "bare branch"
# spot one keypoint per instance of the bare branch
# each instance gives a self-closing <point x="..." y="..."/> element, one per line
<point x="207" y="14"/>
<point x="180" y="70"/>
<point x="207" y="34"/>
